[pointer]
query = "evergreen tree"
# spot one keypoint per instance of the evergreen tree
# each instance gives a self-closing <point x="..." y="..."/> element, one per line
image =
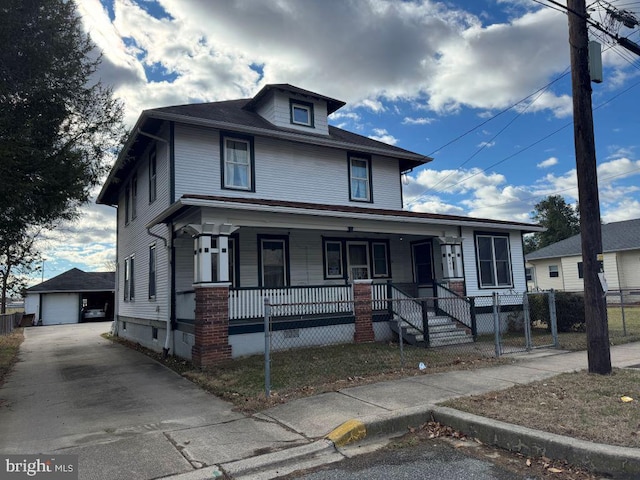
<point x="58" y="123"/>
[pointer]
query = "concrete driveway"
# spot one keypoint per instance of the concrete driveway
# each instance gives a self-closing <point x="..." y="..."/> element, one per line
<point x="126" y="416"/>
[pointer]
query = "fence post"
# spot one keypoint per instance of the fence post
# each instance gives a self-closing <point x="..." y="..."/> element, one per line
<point x="425" y="322"/>
<point x="400" y="341"/>
<point x="267" y="348"/>
<point x="496" y="323"/>
<point x="474" y="322"/>
<point x="624" y="323"/>
<point x="553" y="318"/>
<point x="526" y="321"/>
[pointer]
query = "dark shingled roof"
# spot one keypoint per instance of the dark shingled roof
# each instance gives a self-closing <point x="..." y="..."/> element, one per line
<point x="616" y="236"/>
<point x="235" y="112"/>
<point x="75" y="280"/>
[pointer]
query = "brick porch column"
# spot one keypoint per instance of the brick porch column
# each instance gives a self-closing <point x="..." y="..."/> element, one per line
<point x="457" y="286"/>
<point x="211" y="325"/>
<point x="363" y="310"/>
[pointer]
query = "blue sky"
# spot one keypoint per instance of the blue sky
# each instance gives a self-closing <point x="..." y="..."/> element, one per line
<point x="481" y="86"/>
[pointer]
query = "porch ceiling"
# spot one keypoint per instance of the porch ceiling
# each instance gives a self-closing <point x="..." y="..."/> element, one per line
<point x="275" y="213"/>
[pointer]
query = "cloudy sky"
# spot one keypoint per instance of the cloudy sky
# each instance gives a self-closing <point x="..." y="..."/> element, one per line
<point x="481" y="86"/>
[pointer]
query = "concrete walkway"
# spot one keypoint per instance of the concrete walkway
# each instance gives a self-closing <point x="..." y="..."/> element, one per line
<point x="127" y="417"/>
<point x="388" y="408"/>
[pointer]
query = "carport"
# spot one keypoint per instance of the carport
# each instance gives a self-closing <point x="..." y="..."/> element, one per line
<point x="62" y="299"/>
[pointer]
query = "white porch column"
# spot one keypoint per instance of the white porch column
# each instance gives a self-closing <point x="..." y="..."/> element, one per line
<point x="451" y="249"/>
<point x="202" y="259"/>
<point x="223" y="258"/>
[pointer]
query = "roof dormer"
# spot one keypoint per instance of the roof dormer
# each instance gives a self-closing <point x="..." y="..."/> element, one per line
<point x="287" y="106"/>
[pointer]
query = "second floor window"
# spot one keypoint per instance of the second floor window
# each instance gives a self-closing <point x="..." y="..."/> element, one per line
<point x="360" y="179"/>
<point x="237" y="168"/>
<point x="301" y="113"/>
<point x="152" y="176"/>
<point x="134" y="197"/>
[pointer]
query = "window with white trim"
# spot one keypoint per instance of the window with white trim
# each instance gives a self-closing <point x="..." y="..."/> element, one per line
<point x="554" y="271"/>
<point x="358" y="260"/>
<point x="333" y="259"/>
<point x="129" y="277"/>
<point x="152" y="271"/>
<point x="134" y="197"/>
<point x="301" y="113"/>
<point x="359" y="179"/>
<point x="152" y="176"/>
<point x="494" y="261"/>
<point x="237" y="171"/>
<point x="274" y="262"/>
<point x="380" y="259"/>
<point x="127" y="203"/>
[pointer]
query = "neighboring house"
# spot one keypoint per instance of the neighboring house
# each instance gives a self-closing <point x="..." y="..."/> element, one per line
<point x="559" y="266"/>
<point x="66" y="297"/>
<point x="222" y="204"/>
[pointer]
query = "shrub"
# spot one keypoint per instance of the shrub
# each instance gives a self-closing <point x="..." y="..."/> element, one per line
<point x="569" y="311"/>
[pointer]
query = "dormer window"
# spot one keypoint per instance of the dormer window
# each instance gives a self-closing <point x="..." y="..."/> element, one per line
<point x="301" y="113"/>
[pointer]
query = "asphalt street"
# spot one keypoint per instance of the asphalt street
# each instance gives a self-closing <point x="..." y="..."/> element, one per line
<point x="426" y="461"/>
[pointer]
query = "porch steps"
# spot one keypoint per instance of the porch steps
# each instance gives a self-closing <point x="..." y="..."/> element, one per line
<point x="442" y="331"/>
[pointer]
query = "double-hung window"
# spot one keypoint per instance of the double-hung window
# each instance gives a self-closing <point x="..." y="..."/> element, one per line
<point x="333" y="259"/>
<point x="274" y="253"/>
<point x="301" y="113"/>
<point x="152" y="271"/>
<point x="134" y="197"/>
<point x="127" y="203"/>
<point x="554" y="271"/>
<point x="152" y="176"/>
<point x="237" y="169"/>
<point x="494" y="260"/>
<point x="380" y="259"/>
<point x="129" y="284"/>
<point x="360" y="179"/>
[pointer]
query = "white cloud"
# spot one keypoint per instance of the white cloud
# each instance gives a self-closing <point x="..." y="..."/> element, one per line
<point x="549" y="162"/>
<point x="417" y="121"/>
<point x="382" y="135"/>
<point x="486" y="144"/>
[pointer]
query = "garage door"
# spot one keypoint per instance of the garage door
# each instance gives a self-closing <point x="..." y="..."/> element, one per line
<point x="60" y="308"/>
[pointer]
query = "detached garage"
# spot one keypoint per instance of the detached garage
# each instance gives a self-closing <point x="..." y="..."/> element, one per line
<point x="72" y="297"/>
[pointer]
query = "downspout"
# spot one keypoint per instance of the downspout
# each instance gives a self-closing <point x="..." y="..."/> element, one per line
<point x="167" y="337"/>
<point x="116" y="305"/>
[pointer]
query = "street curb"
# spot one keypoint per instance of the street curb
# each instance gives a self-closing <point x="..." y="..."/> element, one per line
<point x="283" y="462"/>
<point x="621" y="462"/>
<point x="393" y="423"/>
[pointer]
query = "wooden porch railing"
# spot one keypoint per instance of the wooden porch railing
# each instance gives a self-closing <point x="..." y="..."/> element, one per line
<point x="246" y="303"/>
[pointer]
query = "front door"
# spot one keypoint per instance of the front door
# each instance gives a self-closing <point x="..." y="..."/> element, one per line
<point x="358" y="258"/>
<point x="423" y="268"/>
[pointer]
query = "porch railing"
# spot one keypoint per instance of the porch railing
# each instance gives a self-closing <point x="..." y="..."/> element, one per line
<point x="456" y="307"/>
<point x="247" y="303"/>
<point x="379" y="294"/>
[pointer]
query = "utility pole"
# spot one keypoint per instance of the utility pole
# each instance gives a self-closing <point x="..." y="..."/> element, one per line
<point x="598" y="351"/>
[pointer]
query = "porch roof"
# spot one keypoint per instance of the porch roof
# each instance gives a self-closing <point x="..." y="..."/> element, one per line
<point x="334" y="211"/>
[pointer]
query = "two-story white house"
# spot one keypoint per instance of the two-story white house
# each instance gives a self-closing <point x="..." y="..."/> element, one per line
<point x="222" y="204"/>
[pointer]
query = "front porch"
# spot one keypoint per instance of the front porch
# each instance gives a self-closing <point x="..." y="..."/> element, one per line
<point x="327" y="314"/>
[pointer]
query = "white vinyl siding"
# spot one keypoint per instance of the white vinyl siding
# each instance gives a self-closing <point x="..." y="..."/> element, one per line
<point x="282" y="171"/>
<point x="629" y="266"/>
<point x="135" y="240"/>
<point x="543" y="281"/>
<point x="571" y="280"/>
